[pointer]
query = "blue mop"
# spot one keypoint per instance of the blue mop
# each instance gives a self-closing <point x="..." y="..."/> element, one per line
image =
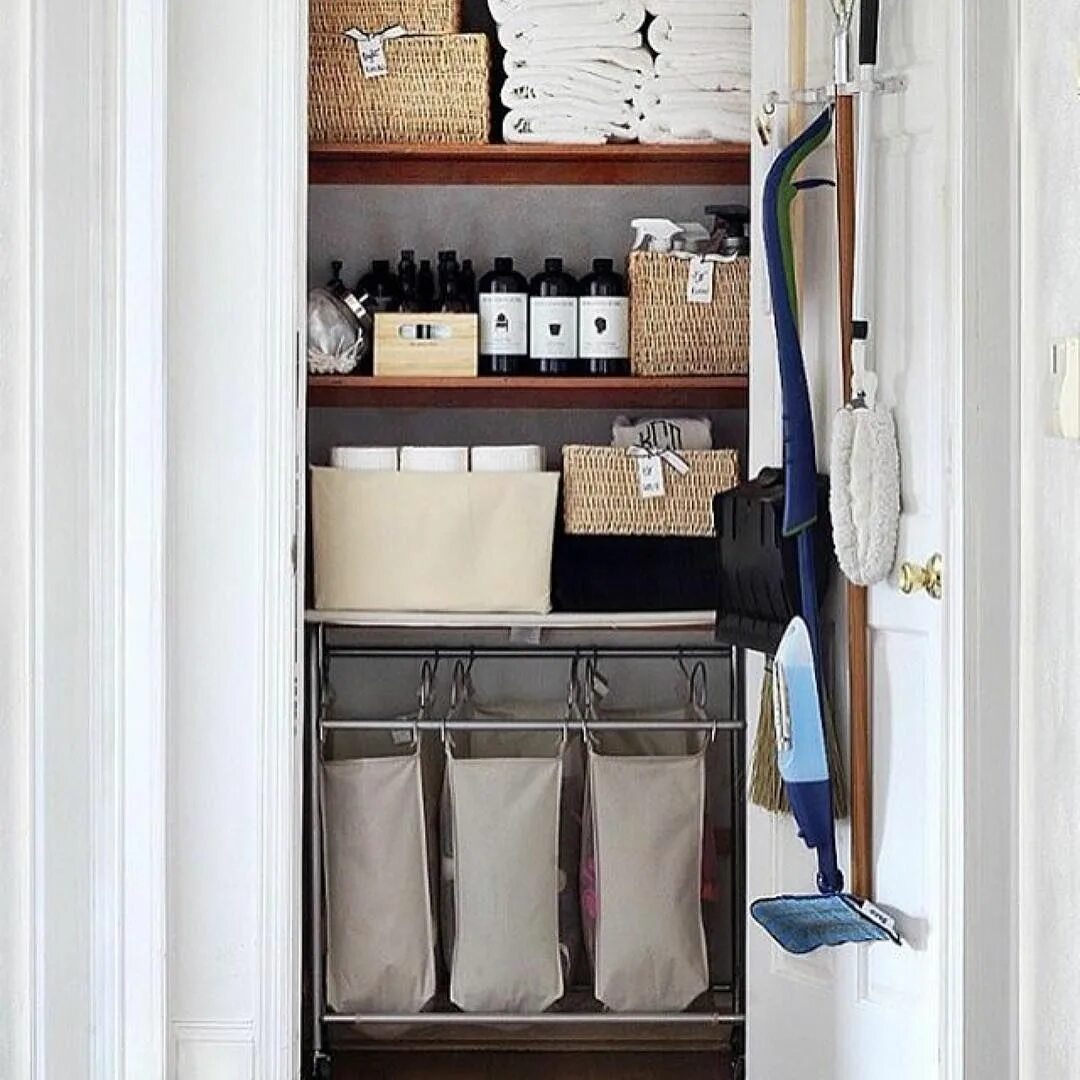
<point x="801" y="924"/>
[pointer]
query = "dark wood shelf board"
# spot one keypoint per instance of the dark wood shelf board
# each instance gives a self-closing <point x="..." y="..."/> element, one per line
<point x="494" y="163"/>
<point x="526" y="392"/>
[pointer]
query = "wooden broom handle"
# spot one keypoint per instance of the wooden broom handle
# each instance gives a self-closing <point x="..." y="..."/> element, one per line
<point x="862" y="852"/>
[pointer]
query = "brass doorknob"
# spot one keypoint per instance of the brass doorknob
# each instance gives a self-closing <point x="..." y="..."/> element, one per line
<point x="914" y="577"/>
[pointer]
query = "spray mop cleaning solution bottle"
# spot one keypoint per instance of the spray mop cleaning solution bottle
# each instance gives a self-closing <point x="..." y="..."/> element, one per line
<point x="504" y="320"/>
<point x="553" y="320"/>
<point x="604" y="321"/>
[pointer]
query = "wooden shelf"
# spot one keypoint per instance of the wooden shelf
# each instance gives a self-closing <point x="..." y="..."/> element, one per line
<point x="529" y="392"/>
<point x="554" y="621"/>
<point x="695" y="163"/>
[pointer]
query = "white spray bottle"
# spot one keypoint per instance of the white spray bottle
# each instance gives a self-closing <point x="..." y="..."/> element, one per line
<point x="654" y="234"/>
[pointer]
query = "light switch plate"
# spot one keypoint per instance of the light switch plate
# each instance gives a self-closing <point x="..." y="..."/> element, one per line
<point x="1065" y="388"/>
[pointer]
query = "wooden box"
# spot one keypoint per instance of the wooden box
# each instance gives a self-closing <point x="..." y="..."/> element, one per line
<point x="426" y="344"/>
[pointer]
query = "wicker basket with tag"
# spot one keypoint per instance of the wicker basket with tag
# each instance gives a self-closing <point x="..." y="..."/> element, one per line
<point x="603" y="491"/>
<point x="672" y="335"/>
<point x="415" y="16"/>
<point x="434" y="90"/>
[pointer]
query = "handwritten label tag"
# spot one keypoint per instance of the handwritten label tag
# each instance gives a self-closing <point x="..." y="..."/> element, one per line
<point x="650" y="476"/>
<point x="401" y="736"/>
<point x="699" y="283"/>
<point x="372" y="57"/>
<point x="372" y="49"/>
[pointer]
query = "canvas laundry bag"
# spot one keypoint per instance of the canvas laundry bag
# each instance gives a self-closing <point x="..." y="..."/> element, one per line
<point x="378" y="856"/>
<point x="642" y="875"/>
<point x="501" y="875"/>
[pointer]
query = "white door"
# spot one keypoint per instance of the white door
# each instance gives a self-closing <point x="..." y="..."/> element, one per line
<point x="872" y="1012"/>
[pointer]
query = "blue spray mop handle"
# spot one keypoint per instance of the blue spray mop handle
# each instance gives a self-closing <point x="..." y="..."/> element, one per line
<point x="811" y="801"/>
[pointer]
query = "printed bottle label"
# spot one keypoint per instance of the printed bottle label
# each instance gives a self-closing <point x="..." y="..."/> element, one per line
<point x="604" y="328"/>
<point x="553" y="332"/>
<point x="503" y="322"/>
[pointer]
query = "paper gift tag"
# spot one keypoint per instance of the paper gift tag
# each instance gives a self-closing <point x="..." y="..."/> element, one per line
<point x="373" y="57"/>
<point x="372" y="49"/>
<point x="699" y="283"/>
<point x="650" y="476"/>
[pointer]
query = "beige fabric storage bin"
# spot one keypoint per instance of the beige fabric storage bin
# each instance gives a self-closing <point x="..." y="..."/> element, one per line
<point x="473" y="542"/>
<point x="669" y="335"/>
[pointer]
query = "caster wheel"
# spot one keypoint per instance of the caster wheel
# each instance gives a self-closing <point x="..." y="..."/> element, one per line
<point x="322" y="1068"/>
<point x="738" y="1069"/>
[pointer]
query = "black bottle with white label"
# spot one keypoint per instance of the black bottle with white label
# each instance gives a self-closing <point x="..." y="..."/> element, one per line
<point x="604" y="321"/>
<point x="504" y="320"/>
<point x="553" y="319"/>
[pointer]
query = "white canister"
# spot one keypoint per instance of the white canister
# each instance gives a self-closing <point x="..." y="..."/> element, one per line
<point x="434" y="459"/>
<point x="508" y="459"/>
<point x="365" y="458"/>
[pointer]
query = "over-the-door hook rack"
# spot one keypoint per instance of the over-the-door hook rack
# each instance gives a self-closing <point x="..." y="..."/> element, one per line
<point x="822" y="95"/>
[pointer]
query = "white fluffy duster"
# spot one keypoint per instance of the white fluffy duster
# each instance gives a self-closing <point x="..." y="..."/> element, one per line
<point x="864" y="497"/>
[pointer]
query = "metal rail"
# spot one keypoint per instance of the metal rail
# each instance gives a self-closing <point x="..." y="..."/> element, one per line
<point x="343" y="650"/>
<point x="547" y="1019"/>
<point x="705" y="726"/>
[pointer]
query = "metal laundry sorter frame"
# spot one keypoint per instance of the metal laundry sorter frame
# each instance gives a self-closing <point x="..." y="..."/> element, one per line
<point x="322" y="653"/>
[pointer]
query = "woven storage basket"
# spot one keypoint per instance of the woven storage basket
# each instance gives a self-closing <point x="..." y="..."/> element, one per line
<point x="435" y="91"/>
<point x="671" y="336"/>
<point x="416" y="16"/>
<point x="602" y="496"/>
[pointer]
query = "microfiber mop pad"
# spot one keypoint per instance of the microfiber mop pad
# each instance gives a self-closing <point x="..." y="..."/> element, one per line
<point x="801" y="924"/>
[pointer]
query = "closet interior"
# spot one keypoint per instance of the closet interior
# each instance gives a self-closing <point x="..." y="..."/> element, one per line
<point x="461" y="759"/>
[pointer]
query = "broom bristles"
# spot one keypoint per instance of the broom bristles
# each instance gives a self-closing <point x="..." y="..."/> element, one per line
<point x="766" y="785"/>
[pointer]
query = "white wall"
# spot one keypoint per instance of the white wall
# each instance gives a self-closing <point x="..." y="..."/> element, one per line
<point x="232" y="307"/>
<point x="1050" y="750"/>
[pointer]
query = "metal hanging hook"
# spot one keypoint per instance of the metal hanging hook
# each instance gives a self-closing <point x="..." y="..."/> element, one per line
<point x="699" y="686"/>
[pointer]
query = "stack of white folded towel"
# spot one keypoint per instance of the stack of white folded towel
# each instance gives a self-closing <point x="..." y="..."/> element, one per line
<point x="700" y="89"/>
<point x="574" y="69"/>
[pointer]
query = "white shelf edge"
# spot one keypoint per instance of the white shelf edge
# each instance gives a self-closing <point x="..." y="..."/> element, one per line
<point x="419" y="620"/>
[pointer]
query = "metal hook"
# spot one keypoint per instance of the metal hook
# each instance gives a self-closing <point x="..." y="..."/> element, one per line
<point x="427" y="684"/>
<point x="458" y="684"/>
<point x="573" y="686"/>
<point x="699" y="681"/>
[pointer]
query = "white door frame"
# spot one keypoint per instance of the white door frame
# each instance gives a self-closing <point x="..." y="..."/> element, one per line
<point x="82" y="173"/>
<point x="127" y="875"/>
<point x="985" y="939"/>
